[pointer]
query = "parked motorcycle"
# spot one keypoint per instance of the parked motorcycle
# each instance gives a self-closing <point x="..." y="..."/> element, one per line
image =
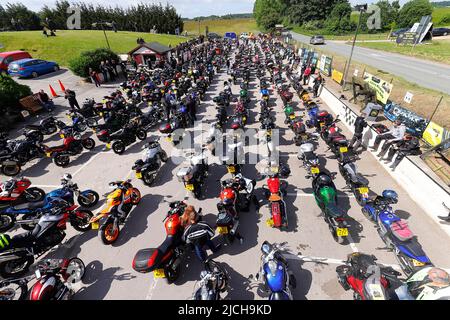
<point x="213" y="281"/>
<point x="395" y="232"/>
<point x="147" y="169"/>
<point x="18" y="253"/>
<point x="325" y="194"/>
<point x="367" y="279"/>
<point x="276" y="276"/>
<point x="165" y="261"/>
<point x="275" y="190"/>
<point x="119" y="204"/>
<point x="194" y="176"/>
<point x="355" y="181"/>
<point x="45" y="127"/>
<point x="123" y="138"/>
<point x="20" y="192"/>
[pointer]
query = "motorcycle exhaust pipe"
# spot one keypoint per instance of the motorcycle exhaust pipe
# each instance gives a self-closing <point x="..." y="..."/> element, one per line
<point x="234" y="229"/>
<point x="20" y="222"/>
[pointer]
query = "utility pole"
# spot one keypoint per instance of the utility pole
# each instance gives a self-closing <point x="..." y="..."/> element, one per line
<point x="361" y="8"/>
<point x="103" y="28"/>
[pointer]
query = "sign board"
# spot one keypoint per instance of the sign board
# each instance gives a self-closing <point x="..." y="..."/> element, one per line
<point x="434" y="134"/>
<point x="408" y="97"/>
<point x="407" y="38"/>
<point x="414" y="123"/>
<point x="337" y="76"/>
<point x="355" y="73"/>
<point x="382" y="88"/>
<point x="324" y="65"/>
<point x="424" y="25"/>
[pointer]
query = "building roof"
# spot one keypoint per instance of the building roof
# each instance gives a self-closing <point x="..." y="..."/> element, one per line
<point x="154" y="46"/>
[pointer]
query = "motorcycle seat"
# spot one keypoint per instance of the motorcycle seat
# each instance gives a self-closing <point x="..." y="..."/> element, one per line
<point x="310" y="155"/>
<point x="33" y="127"/>
<point x="30" y="205"/>
<point x="414" y="247"/>
<point x="334" y="211"/>
<point x="359" y="179"/>
<point x="167" y="245"/>
<point x="401" y="231"/>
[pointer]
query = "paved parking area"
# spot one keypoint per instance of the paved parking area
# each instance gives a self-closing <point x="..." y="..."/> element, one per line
<point x="315" y="254"/>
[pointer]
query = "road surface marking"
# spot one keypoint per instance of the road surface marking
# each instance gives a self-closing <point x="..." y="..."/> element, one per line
<point x="88" y="162"/>
<point x="151" y="289"/>
<point x="46" y="186"/>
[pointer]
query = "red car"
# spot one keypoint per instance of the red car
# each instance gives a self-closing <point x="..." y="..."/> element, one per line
<point x="7" y="57"/>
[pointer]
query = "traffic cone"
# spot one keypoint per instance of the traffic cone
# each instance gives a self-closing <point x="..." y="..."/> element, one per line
<point x="62" y="86"/>
<point x="53" y="92"/>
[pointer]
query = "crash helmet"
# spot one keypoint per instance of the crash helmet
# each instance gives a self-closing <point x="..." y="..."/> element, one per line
<point x="323" y="114"/>
<point x="66" y="178"/>
<point x="324" y="179"/>
<point x="390" y="195"/>
<point x="228" y="196"/>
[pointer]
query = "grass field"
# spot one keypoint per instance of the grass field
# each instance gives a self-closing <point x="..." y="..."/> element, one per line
<point x="68" y="44"/>
<point x="439" y="13"/>
<point x="437" y="50"/>
<point x="221" y="26"/>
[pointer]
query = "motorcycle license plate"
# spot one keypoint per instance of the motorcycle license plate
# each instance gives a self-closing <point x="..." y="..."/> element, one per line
<point x="138" y="175"/>
<point x="190" y="187"/>
<point x="169" y="139"/>
<point x="274" y="169"/>
<point x="322" y="124"/>
<point x="364" y="190"/>
<point x="101" y="114"/>
<point x="304" y="136"/>
<point x="37" y="273"/>
<point x="417" y="263"/>
<point x="244" y="119"/>
<point x="315" y="170"/>
<point x="292" y="116"/>
<point x="231" y="169"/>
<point x="159" y="273"/>
<point x="343" y="149"/>
<point x="342" y="232"/>
<point x="94" y="131"/>
<point x="62" y="136"/>
<point x="269" y="133"/>
<point x="95" y="225"/>
<point x="48" y="154"/>
<point x="222" y="230"/>
<point x="108" y="145"/>
<point x="269" y="222"/>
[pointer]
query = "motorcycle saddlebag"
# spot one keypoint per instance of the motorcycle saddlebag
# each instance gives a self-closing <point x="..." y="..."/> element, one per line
<point x="144" y="260"/>
<point x="165" y="128"/>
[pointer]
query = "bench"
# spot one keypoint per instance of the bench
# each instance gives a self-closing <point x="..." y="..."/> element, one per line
<point x="31" y="103"/>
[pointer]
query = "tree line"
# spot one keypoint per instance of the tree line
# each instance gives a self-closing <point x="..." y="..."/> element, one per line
<point x="334" y="16"/>
<point x="142" y="17"/>
<point x="224" y="17"/>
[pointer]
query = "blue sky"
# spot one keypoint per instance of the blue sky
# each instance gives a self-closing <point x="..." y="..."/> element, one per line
<point x="186" y="8"/>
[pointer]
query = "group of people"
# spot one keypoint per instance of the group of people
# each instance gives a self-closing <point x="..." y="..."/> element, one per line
<point x="109" y="71"/>
<point x="397" y="141"/>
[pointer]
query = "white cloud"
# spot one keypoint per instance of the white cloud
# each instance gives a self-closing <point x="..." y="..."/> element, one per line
<point x="186" y="8"/>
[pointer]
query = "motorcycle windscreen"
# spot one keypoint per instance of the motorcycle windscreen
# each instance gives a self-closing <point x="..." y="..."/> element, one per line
<point x="275" y="276"/>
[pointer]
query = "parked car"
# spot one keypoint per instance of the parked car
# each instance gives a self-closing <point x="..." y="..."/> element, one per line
<point x="212" y="35"/>
<point x="7" y="57"/>
<point x="230" y="35"/>
<point x="317" y="40"/>
<point x="441" y="32"/>
<point x="398" y="32"/>
<point x="31" y="68"/>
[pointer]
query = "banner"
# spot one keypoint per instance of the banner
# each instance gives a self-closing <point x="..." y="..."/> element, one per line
<point x="414" y="123"/>
<point x="382" y="88"/>
<point x="434" y="134"/>
<point x="325" y="65"/>
<point x="337" y="76"/>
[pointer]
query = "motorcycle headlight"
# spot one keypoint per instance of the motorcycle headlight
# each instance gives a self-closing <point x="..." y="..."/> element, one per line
<point x="273" y="266"/>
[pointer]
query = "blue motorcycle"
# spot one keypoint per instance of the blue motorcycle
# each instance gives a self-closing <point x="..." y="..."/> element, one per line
<point x="274" y="270"/>
<point x="313" y="111"/>
<point x="34" y="210"/>
<point x="79" y="123"/>
<point x="396" y="234"/>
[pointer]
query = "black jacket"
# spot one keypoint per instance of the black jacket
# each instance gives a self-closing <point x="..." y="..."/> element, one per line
<point x="198" y="233"/>
<point x="360" y="124"/>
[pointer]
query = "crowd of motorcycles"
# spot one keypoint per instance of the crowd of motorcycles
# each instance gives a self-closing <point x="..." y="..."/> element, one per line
<point x="45" y="215"/>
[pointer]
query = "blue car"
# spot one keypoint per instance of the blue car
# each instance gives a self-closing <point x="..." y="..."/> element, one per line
<point x="26" y="68"/>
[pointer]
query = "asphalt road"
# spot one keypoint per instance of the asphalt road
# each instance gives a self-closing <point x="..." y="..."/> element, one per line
<point x="424" y="73"/>
<point x="109" y="272"/>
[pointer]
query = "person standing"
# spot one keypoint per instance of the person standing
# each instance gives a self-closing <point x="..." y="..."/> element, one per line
<point x="306" y="75"/>
<point x="318" y="81"/>
<point x="110" y="70"/>
<point x="70" y="95"/>
<point x="123" y="67"/>
<point x="104" y="71"/>
<point x="94" y="77"/>
<point x="360" y="124"/>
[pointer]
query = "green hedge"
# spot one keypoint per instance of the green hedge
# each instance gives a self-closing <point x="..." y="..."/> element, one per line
<point x="11" y="92"/>
<point x="91" y="59"/>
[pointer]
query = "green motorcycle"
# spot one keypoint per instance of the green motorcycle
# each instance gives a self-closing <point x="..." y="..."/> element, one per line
<point x="289" y="113"/>
<point x="325" y="194"/>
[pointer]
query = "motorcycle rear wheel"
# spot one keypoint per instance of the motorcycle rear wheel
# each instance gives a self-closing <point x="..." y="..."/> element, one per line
<point x="61" y="160"/>
<point x="88" y="199"/>
<point x="141" y="134"/>
<point x="6" y="222"/>
<point x="15" y="290"/>
<point x="172" y="275"/>
<point x="88" y="143"/>
<point x="51" y="129"/>
<point x="15" y="268"/>
<point x="34" y="194"/>
<point x="118" y="147"/>
<point x="148" y="178"/>
<point x="81" y="220"/>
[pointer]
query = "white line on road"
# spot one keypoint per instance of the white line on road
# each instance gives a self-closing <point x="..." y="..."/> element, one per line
<point x="88" y="162"/>
<point x="46" y="186"/>
<point x="151" y="289"/>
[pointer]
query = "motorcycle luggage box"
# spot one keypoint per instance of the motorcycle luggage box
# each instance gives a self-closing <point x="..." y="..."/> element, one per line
<point x="144" y="260"/>
<point x="165" y="128"/>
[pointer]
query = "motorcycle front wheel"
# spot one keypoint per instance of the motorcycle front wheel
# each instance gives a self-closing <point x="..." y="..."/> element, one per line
<point x="51" y="129"/>
<point x="88" y="199"/>
<point x="6" y="222"/>
<point x="88" y="143"/>
<point x="81" y="220"/>
<point x="118" y="147"/>
<point x="15" y="268"/>
<point x="61" y="160"/>
<point x="148" y="178"/>
<point x="34" y="194"/>
<point x="107" y="233"/>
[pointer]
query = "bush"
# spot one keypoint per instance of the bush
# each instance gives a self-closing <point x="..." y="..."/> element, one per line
<point x="445" y="20"/>
<point x="313" y="25"/>
<point x="11" y="92"/>
<point x="412" y="12"/>
<point x="91" y="59"/>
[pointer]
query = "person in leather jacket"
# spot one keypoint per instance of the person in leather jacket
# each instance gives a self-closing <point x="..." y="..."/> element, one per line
<point x="408" y="146"/>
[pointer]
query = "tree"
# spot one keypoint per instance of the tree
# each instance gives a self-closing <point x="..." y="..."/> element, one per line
<point x="270" y="19"/>
<point x="339" y="20"/>
<point x="412" y="12"/>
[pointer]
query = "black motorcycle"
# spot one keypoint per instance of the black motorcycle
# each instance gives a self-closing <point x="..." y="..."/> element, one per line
<point x="123" y="138"/>
<point x="24" y="151"/>
<point x="214" y="281"/>
<point x="45" y="127"/>
<point x="355" y="180"/>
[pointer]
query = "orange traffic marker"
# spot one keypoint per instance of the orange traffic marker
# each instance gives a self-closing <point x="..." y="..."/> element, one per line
<point x="62" y="86"/>
<point x="53" y="92"/>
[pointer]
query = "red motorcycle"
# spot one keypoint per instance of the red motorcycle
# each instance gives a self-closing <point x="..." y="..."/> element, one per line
<point x="367" y="279"/>
<point x="55" y="279"/>
<point x="72" y="145"/>
<point x="20" y="192"/>
<point x="285" y="94"/>
<point x="274" y="193"/>
<point x="165" y="261"/>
